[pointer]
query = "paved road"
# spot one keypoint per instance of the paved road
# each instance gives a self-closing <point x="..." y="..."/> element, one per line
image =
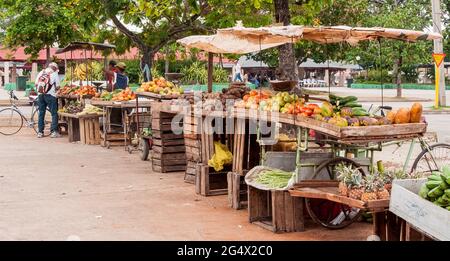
<point x="54" y="190"/>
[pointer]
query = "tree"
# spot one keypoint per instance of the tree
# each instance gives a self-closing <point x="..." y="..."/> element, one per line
<point x="159" y="23"/>
<point x="37" y="25"/>
<point x="403" y="57"/>
<point x="300" y="12"/>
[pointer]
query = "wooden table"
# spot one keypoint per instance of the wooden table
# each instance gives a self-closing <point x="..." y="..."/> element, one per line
<point x="83" y="128"/>
<point x="385" y="224"/>
<point x="122" y="139"/>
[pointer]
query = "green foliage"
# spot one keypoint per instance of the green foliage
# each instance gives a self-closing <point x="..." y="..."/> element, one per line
<point x="37" y="24"/>
<point x="133" y="71"/>
<point x="374" y="76"/>
<point x="197" y="73"/>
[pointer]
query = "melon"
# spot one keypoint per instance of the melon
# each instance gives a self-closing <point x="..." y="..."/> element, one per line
<point x="402" y="116"/>
<point x="416" y="112"/>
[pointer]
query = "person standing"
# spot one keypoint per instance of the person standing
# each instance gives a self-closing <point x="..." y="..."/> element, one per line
<point x="120" y="80"/>
<point x="47" y="82"/>
<point x="110" y="74"/>
<point x="237" y="72"/>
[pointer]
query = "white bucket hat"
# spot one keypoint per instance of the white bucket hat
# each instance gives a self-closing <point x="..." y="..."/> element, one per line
<point x="54" y="65"/>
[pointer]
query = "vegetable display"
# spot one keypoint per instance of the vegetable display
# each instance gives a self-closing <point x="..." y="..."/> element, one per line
<point x="73" y="107"/>
<point x="437" y="188"/>
<point x="90" y="109"/>
<point x="275" y="179"/>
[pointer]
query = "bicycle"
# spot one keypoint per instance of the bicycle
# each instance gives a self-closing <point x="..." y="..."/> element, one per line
<point x="12" y="118"/>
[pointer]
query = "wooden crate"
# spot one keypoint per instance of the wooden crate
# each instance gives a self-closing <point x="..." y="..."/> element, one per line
<point x="430" y="219"/>
<point x="275" y="210"/>
<point x="90" y="131"/>
<point x="191" y="171"/>
<point x="83" y="128"/>
<point x="237" y="191"/>
<point x="168" y="151"/>
<point x="73" y="129"/>
<point x="246" y="153"/>
<point x="210" y="183"/>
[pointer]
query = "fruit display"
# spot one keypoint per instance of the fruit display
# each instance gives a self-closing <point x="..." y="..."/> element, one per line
<point x="116" y="95"/>
<point x="370" y="187"/>
<point x="253" y="99"/>
<point x="405" y="115"/>
<point x="160" y="86"/>
<point x="67" y="90"/>
<point x="73" y="107"/>
<point x="86" y="91"/>
<point x="346" y="111"/>
<point x="90" y="109"/>
<point x="124" y="95"/>
<point x="81" y="71"/>
<point x="437" y="188"/>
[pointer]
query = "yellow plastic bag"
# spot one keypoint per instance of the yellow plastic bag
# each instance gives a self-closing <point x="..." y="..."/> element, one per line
<point x="222" y="156"/>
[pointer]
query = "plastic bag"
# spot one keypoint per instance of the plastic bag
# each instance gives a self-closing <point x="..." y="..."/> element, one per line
<point x="221" y="157"/>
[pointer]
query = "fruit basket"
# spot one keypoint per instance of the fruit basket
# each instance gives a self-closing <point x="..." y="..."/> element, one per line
<point x="283" y="86"/>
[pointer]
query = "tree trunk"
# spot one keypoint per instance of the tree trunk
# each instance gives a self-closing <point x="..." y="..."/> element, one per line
<point x="398" y="75"/>
<point x="48" y="56"/>
<point x="166" y="61"/>
<point x="146" y="64"/>
<point x="287" y="67"/>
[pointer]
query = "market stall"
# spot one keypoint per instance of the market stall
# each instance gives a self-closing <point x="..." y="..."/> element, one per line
<point x="339" y="125"/>
<point x="74" y="96"/>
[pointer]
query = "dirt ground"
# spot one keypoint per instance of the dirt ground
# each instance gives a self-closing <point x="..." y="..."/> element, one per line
<point x="51" y="189"/>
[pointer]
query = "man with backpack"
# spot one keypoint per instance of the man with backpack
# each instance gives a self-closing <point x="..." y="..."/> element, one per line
<point x="47" y="82"/>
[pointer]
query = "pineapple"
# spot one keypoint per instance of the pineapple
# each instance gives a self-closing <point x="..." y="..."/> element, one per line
<point x="350" y="181"/>
<point x="369" y="189"/>
<point x="344" y="177"/>
<point x="357" y="189"/>
<point x="382" y="192"/>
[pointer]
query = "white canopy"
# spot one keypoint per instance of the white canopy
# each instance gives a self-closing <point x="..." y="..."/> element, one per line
<point x="242" y="40"/>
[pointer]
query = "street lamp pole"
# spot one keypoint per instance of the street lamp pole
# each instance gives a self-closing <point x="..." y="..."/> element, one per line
<point x="439" y="47"/>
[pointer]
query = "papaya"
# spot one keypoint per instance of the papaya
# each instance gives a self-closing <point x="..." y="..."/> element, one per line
<point x="402" y="116"/>
<point x="327" y="109"/>
<point x="416" y="112"/>
<point x="391" y="116"/>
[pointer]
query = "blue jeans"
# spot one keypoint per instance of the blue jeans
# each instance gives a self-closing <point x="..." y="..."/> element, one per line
<point x="237" y="77"/>
<point x="44" y="101"/>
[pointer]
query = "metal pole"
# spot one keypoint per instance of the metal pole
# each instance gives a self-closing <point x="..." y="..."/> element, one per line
<point x="439" y="48"/>
<point x="381" y="72"/>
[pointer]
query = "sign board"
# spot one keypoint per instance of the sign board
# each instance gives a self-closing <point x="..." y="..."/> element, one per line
<point x="438" y="58"/>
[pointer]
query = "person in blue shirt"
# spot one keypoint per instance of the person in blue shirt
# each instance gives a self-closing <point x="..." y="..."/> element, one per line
<point x="120" y="80"/>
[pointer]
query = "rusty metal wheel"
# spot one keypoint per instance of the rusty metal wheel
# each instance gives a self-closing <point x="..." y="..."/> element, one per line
<point x="329" y="214"/>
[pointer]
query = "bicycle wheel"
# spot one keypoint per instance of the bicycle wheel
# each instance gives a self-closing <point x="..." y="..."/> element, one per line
<point x="329" y="214"/>
<point x="433" y="159"/>
<point x="11" y="121"/>
<point x="47" y="121"/>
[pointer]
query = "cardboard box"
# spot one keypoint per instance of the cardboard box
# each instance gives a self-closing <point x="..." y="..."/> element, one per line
<point x="422" y="214"/>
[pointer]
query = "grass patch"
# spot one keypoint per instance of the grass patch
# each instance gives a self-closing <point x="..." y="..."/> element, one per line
<point x="440" y="108"/>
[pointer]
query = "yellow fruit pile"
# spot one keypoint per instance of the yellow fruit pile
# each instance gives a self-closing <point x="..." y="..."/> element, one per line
<point x="160" y="86"/>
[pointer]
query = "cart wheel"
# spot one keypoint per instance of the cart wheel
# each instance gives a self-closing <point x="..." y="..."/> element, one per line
<point x="433" y="159"/>
<point x="330" y="166"/>
<point x="130" y="149"/>
<point x="331" y="214"/>
<point x="144" y="147"/>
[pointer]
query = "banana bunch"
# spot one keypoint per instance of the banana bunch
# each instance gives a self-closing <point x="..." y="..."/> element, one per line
<point x="81" y="71"/>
